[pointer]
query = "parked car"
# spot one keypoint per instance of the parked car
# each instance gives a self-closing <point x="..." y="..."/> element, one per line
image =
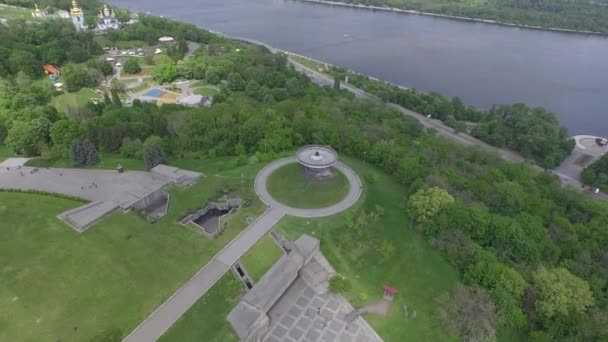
<point x="600" y="141"/>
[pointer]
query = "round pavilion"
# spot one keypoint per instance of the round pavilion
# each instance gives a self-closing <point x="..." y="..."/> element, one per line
<point x="317" y="159"/>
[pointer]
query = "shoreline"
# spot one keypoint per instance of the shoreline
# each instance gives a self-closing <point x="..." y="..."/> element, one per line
<point x="454" y="17"/>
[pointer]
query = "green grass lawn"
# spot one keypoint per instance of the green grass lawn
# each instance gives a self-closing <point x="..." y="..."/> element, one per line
<point x="415" y="269"/>
<point x="261" y="257"/>
<point x="13" y="13"/>
<point x="206" y="319"/>
<point x="114" y="274"/>
<point x="76" y="99"/>
<point x="290" y="186"/>
<point x="206" y="90"/>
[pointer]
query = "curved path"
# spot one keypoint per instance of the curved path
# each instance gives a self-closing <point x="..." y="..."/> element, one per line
<point x="153" y="327"/>
<point x="353" y="194"/>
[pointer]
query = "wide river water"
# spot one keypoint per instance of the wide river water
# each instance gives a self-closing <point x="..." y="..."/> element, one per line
<point x="481" y="63"/>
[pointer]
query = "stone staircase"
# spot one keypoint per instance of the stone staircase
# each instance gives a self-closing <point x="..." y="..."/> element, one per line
<point x="352" y="316"/>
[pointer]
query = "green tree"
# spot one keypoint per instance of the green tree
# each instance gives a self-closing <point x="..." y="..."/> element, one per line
<point x="131" y="148"/>
<point x="104" y="67"/>
<point x="164" y="73"/>
<point x="212" y="76"/>
<point x="153" y="152"/>
<point x="23" y="138"/>
<point x="83" y="153"/>
<point x="235" y="82"/>
<point x="425" y="204"/>
<point x="76" y="77"/>
<point x="561" y="293"/>
<point x="63" y="132"/>
<point x="252" y="88"/>
<point x="469" y="313"/>
<point x="131" y="66"/>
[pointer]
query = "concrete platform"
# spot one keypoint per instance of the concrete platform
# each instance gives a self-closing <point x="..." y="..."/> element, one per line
<point x="84" y="216"/>
<point x="108" y="190"/>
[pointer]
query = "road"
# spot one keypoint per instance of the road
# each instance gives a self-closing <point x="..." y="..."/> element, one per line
<point x="448" y="132"/>
<point x="173" y="308"/>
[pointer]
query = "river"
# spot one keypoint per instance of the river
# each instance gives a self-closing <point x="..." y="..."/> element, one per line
<point x="483" y="64"/>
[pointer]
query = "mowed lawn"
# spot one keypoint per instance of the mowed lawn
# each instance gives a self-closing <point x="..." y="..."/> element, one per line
<point x="261" y="257"/>
<point x="415" y="269"/>
<point x="73" y="100"/>
<point x="207" y="90"/>
<point x="206" y="319"/>
<point x="57" y="284"/>
<point x="12" y="12"/>
<point x="289" y="185"/>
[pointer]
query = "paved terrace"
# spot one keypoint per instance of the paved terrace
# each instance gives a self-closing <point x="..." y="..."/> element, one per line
<point x="107" y="190"/>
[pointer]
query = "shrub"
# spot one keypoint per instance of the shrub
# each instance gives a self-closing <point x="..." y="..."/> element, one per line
<point x="131" y="66"/>
<point x="370" y="178"/>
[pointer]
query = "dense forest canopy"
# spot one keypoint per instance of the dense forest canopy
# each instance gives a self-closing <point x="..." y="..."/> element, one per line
<point x="583" y="15"/>
<point x="536" y="252"/>
<point x="596" y="174"/>
<point x="26" y="48"/>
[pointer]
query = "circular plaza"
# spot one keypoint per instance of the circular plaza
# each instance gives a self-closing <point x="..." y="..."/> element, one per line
<point x="311" y="184"/>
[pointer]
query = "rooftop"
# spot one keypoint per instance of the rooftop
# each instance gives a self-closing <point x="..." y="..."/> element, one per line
<point x="317" y="156"/>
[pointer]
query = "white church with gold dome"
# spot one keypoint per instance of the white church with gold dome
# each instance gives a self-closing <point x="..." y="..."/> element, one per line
<point x="77" y="16"/>
<point x="106" y="19"/>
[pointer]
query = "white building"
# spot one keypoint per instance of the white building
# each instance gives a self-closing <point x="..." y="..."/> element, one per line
<point x="106" y="19"/>
<point x="77" y="16"/>
<point x="196" y="101"/>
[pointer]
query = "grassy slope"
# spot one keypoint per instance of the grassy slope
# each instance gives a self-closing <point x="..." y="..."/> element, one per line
<point x="415" y="269"/>
<point x="114" y="274"/>
<point x="206" y="319"/>
<point x="12" y="12"/>
<point x="261" y="257"/>
<point x="76" y="99"/>
<point x="288" y="185"/>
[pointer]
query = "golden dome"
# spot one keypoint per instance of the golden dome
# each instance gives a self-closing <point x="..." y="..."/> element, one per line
<point x="75" y="10"/>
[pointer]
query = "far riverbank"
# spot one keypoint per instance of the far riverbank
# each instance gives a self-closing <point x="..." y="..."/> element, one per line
<point x="447" y="16"/>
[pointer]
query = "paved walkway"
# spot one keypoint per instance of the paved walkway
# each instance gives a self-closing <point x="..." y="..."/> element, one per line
<point x="173" y="308"/>
<point x="349" y="200"/>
